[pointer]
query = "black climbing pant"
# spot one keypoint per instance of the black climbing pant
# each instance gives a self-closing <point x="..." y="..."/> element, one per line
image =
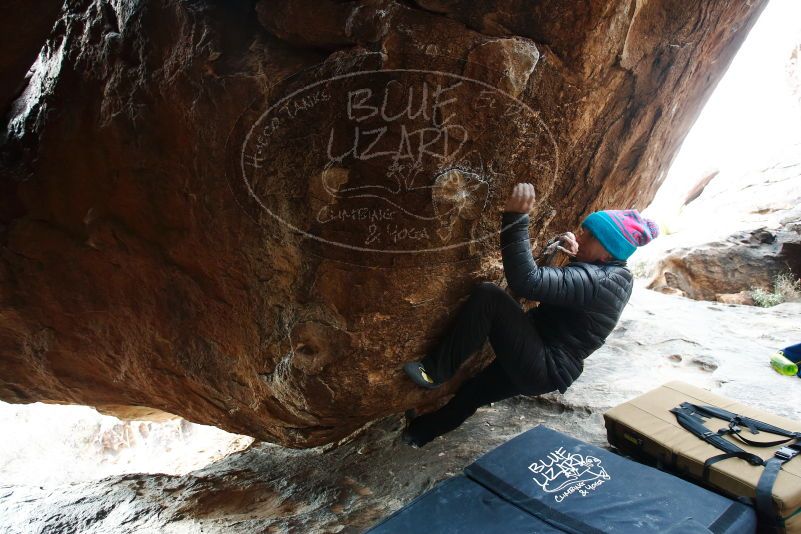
<point x="519" y="366"/>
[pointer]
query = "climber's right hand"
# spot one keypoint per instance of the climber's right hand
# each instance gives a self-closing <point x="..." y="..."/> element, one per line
<point x="522" y="199"/>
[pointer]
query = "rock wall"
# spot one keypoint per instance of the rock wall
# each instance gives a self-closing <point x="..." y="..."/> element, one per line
<point x="24" y="27"/>
<point x="252" y="215"/>
<point x="740" y="263"/>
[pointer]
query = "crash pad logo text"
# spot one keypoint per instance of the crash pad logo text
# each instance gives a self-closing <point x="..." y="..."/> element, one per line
<point x="566" y="473"/>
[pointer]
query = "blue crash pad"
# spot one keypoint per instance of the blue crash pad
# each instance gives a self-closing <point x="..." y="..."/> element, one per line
<point x="581" y="488"/>
<point x="546" y="482"/>
<point x="461" y="506"/>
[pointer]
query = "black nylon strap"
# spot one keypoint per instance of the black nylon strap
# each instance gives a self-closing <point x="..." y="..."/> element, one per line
<point x="714" y="460"/>
<point x="687" y="416"/>
<point x="737" y="435"/>
<point x="753" y="425"/>
<point x="726" y="520"/>
<point x="764" y="490"/>
<point x="694" y="424"/>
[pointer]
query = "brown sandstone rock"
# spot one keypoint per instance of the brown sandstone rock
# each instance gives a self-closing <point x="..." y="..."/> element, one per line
<point x="739" y="263"/>
<point x="134" y="413"/>
<point x="220" y="213"/>
<point x="24" y="26"/>
<point x="743" y="298"/>
<point x="696" y="190"/>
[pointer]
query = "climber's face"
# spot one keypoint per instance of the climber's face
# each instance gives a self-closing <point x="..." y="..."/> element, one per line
<point x="590" y="249"/>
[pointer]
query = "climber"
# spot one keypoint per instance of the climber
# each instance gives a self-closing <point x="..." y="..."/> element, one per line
<point x="543" y="349"/>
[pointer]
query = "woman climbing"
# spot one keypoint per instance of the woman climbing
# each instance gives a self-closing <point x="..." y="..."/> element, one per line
<point x="541" y="350"/>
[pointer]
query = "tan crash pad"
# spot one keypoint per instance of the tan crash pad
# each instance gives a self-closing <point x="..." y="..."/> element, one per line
<point x="645" y="425"/>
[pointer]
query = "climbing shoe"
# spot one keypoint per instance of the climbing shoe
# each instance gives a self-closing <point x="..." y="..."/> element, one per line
<point x="418" y="374"/>
<point x="409" y="440"/>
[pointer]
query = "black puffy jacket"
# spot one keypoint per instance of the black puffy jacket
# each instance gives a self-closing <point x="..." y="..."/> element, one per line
<point x="579" y="306"/>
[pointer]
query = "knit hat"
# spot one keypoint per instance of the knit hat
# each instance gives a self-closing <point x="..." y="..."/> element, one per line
<point x="621" y="231"/>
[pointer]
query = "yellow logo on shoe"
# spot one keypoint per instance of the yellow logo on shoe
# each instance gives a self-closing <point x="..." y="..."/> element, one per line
<point x="425" y="376"/>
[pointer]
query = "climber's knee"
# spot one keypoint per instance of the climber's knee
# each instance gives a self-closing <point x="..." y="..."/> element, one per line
<point x="487" y="290"/>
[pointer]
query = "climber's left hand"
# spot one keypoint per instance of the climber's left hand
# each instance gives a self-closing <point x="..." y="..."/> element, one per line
<point x="568" y="241"/>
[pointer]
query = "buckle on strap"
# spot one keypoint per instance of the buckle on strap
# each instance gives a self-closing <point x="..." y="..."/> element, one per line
<point x="787" y="453"/>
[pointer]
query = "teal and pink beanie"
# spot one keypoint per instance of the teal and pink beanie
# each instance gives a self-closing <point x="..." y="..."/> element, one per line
<point x="621" y="231"/>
